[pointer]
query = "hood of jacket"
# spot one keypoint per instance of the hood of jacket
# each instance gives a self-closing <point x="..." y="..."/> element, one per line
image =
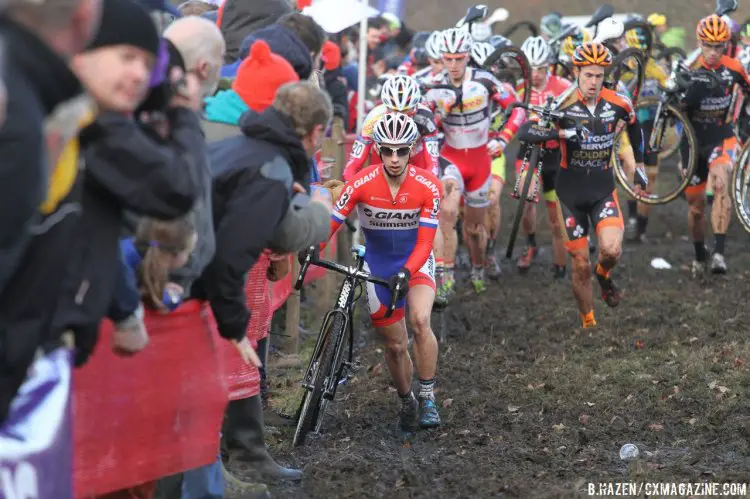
<point x="225" y="107"/>
<point x="284" y="43"/>
<point x="277" y="129"/>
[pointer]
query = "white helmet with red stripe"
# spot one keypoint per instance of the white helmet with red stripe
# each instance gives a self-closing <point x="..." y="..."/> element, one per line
<point x="395" y="129"/>
<point x="456" y="41"/>
<point x="400" y="93"/>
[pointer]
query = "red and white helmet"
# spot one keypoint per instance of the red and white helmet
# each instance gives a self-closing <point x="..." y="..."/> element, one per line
<point x="400" y="93"/>
<point x="395" y="129"/>
<point x="456" y="41"/>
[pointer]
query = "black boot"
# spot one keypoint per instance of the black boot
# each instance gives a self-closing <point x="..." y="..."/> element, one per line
<point x="245" y="431"/>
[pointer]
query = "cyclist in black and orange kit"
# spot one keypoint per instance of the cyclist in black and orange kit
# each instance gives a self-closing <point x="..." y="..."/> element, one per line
<point x="585" y="185"/>
<point x="708" y="110"/>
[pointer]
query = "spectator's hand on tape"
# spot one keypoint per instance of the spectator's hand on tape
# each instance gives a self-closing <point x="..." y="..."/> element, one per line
<point x="247" y="352"/>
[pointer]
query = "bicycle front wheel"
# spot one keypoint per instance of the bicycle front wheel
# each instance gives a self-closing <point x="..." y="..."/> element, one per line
<point x="310" y="412"/>
<point x="739" y="187"/>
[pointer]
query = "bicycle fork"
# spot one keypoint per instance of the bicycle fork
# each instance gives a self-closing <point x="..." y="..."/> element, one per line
<point x="533" y="195"/>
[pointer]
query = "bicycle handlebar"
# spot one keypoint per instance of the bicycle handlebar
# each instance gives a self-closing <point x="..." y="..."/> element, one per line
<point x="353" y="272"/>
<point x="544" y="111"/>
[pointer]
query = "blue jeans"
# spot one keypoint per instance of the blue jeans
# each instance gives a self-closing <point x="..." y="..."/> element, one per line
<point x="206" y="482"/>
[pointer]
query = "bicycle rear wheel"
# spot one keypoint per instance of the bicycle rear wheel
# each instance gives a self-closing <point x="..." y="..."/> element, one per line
<point x="309" y="410"/>
<point x="740" y="185"/>
<point x="672" y="118"/>
<point x="530" y="174"/>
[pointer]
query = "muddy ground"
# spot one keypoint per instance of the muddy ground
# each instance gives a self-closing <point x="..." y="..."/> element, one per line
<point x="534" y="407"/>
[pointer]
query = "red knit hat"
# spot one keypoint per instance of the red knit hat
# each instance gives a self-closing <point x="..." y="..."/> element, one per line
<point x="331" y="55"/>
<point x="301" y="4"/>
<point x="260" y="75"/>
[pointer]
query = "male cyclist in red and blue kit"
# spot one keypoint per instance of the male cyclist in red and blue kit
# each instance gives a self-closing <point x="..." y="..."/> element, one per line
<point x="398" y="206"/>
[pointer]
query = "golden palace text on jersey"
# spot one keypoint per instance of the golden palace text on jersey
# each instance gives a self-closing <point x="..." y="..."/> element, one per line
<point x="591" y="156"/>
<point x="708" y="108"/>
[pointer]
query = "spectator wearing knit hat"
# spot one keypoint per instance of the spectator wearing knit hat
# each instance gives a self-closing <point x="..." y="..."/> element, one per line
<point x="126" y="169"/>
<point x="295" y="37"/>
<point x="334" y="80"/>
<point x="38" y="42"/>
<point x="258" y="78"/>
<point x="254" y="89"/>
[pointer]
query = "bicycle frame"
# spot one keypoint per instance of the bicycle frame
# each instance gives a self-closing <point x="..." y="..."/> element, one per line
<point x="354" y="276"/>
<point x="345" y="309"/>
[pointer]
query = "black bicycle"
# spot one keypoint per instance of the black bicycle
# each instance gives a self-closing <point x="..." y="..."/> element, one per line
<point x="671" y="129"/>
<point x="535" y="135"/>
<point x="327" y="368"/>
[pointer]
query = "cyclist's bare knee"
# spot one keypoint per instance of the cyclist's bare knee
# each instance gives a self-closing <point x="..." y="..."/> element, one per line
<point x="397" y="345"/>
<point x="609" y="251"/>
<point x="420" y="321"/>
<point x="474" y="229"/>
<point x="719" y="176"/>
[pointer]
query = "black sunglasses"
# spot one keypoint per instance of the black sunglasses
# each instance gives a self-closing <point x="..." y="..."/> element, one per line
<point x="401" y="152"/>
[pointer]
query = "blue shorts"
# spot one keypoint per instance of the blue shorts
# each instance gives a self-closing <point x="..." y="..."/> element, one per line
<point x="379" y="297"/>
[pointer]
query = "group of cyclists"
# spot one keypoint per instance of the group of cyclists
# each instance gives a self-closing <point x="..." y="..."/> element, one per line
<point x="436" y="150"/>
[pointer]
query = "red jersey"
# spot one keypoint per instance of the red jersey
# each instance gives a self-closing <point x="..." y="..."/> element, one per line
<point x="399" y="229"/>
<point x="425" y="153"/>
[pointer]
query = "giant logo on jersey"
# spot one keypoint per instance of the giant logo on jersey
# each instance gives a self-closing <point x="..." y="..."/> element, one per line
<point x="429" y="184"/>
<point x="372" y="217"/>
<point x="367" y="178"/>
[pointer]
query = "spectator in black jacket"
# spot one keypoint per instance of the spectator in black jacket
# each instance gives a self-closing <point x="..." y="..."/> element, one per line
<point x="126" y="168"/>
<point x="39" y="39"/>
<point x="253" y="181"/>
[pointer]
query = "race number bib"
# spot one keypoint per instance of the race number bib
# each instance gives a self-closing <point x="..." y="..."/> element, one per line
<point x="357" y="149"/>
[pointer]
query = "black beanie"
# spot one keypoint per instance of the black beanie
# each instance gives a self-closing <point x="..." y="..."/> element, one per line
<point x="124" y="22"/>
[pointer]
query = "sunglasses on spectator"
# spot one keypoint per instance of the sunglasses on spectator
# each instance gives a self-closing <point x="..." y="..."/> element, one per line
<point x="401" y="152"/>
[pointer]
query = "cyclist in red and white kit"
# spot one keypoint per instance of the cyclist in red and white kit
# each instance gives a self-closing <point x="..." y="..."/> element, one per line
<point x="468" y="148"/>
<point x="543" y="86"/>
<point x="432" y="47"/>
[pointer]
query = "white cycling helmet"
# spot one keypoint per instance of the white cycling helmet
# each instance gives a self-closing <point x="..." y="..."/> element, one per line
<point x="400" y="93"/>
<point x="456" y="41"/>
<point x="480" y="52"/>
<point x="395" y="129"/>
<point x="432" y="46"/>
<point x="537" y="51"/>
